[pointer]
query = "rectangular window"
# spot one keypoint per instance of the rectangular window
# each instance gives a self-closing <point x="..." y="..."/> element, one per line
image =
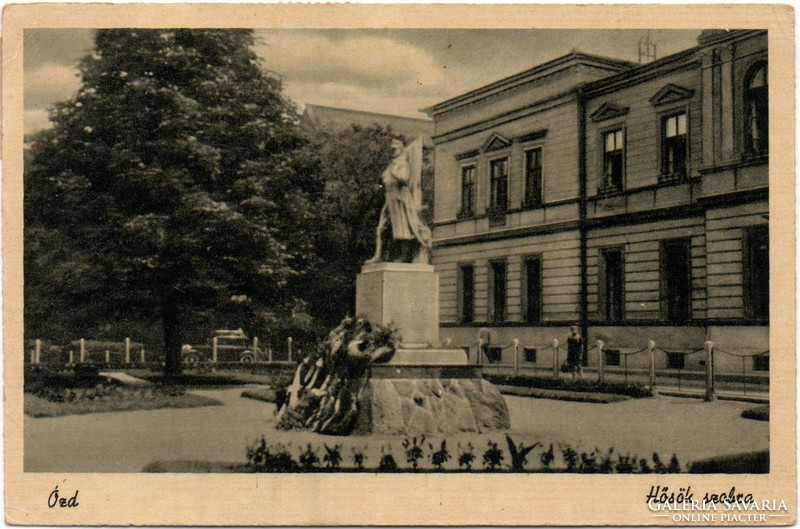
<point x="494" y="355"/>
<point x="676" y="280"/>
<point x="498" y="197"/>
<point x="755" y="269"/>
<point x="673" y="155"/>
<point x="533" y="289"/>
<point x="611" y="357"/>
<point x="530" y="355"/>
<point x="497" y="290"/>
<point x="675" y="360"/>
<point x="466" y="286"/>
<point x="612" y="285"/>
<point x="761" y="363"/>
<point x="613" y="160"/>
<point x="467" y="191"/>
<point x="533" y="178"/>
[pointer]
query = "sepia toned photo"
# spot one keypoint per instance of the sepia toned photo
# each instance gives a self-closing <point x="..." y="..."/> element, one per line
<point x="331" y="262"/>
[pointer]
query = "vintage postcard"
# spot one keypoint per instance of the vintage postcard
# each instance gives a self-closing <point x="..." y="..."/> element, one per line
<point x="306" y="264"/>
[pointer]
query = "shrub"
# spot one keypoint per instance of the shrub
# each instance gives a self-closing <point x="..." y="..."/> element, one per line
<point x="309" y="459"/>
<point x="547" y="457"/>
<point x="759" y="413"/>
<point x="631" y="389"/>
<point x="439" y="457"/>
<point x="519" y="454"/>
<point x="359" y="457"/>
<point x="387" y="462"/>
<point x="466" y="456"/>
<point x="333" y="456"/>
<point x="414" y="451"/>
<point x="492" y="457"/>
<point x="86" y="371"/>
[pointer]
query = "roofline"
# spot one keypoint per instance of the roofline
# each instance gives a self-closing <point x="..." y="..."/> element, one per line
<point x="478" y="93"/>
<point x="602" y="85"/>
<point x="364" y="112"/>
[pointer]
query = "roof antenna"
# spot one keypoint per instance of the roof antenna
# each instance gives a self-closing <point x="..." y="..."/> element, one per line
<point x="647" y="49"/>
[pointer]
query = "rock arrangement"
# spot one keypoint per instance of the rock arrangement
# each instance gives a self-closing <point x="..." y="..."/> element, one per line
<point x="429" y="406"/>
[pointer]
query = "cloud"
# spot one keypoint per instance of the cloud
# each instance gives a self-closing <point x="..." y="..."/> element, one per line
<point x="48" y="84"/>
<point x="367" y="61"/>
<point x="36" y="120"/>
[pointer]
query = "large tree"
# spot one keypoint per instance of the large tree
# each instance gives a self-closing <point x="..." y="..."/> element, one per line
<point x="177" y="178"/>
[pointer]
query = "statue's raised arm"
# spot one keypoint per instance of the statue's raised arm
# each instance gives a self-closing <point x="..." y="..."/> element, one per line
<point x="402" y="235"/>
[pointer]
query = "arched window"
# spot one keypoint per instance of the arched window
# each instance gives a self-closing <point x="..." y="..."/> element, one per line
<point x="756" y="110"/>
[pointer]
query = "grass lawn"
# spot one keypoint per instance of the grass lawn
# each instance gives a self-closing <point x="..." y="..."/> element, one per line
<point x="36" y="406"/>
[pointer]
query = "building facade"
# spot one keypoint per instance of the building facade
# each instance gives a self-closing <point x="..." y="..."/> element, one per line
<point x="629" y="199"/>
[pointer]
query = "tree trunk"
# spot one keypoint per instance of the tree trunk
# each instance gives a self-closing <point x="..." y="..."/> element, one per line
<point x="170" y="319"/>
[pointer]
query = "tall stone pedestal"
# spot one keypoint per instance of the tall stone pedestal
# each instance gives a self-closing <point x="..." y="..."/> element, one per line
<point x="423" y="389"/>
<point x="403" y="294"/>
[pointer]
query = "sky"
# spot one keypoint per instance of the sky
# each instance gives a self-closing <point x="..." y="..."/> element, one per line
<point x="390" y="71"/>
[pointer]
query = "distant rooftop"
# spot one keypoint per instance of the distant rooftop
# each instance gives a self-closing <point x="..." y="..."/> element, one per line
<point x="343" y="118"/>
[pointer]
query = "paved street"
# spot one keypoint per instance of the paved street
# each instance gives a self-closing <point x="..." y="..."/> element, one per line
<point x="128" y="441"/>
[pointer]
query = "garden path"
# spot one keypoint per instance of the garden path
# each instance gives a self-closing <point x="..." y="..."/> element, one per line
<point x="129" y="441"/>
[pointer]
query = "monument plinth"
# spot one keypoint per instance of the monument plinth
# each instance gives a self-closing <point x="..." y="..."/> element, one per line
<point x="403" y="294"/>
<point x="424" y="389"/>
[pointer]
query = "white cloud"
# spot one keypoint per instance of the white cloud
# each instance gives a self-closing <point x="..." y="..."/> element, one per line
<point x="48" y="84"/>
<point x="365" y="61"/>
<point x="36" y="120"/>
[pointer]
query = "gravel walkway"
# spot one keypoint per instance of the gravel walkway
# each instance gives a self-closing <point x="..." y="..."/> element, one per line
<point x="129" y="441"/>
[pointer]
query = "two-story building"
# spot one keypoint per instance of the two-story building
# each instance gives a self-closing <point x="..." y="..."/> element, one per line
<point x="628" y="199"/>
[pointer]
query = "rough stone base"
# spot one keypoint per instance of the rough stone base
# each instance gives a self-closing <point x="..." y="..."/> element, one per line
<point x="430" y="406"/>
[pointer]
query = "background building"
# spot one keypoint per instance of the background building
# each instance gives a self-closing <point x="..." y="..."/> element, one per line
<point x="630" y="199"/>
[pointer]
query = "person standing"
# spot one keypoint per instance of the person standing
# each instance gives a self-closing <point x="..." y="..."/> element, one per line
<point x="575" y="352"/>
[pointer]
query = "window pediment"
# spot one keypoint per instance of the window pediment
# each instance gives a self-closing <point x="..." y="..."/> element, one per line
<point x="495" y="143"/>
<point x="608" y="111"/>
<point x="670" y="93"/>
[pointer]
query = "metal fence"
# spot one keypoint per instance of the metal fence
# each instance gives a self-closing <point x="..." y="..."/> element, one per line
<point x="706" y="370"/>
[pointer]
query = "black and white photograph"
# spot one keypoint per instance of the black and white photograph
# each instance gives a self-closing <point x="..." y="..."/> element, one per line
<point x="403" y="253"/>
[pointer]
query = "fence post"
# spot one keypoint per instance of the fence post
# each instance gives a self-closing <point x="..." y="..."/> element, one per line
<point x="82" y="356"/>
<point x="127" y="350"/>
<point x="516" y="357"/>
<point x="480" y="351"/>
<point x="108" y="356"/>
<point x="289" y="347"/>
<point x="141" y="354"/>
<point x="600" y="361"/>
<point x="214" y="343"/>
<point x="709" y="349"/>
<point x="255" y="348"/>
<point x="71" y="357"/>
<point x="269" y="354"/>
<point x="651" y="348"/>
<point x="38" y="350"/>
<point x="555" y="357"/>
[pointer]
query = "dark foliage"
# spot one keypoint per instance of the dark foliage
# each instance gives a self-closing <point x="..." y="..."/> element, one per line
<point x="635" y="390"/>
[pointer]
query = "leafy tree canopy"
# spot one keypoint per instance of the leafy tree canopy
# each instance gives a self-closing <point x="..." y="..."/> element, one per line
<point x="176" y="178"/>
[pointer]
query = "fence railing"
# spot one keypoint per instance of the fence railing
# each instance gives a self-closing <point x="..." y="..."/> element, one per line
<point x="127" y="352"/>
<point x="652" y="364"/>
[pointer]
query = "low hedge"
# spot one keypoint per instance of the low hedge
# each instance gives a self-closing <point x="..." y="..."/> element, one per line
<point x="759" y="413"/>
<point x="748" y="463"/>
<point x="635" y="390"/>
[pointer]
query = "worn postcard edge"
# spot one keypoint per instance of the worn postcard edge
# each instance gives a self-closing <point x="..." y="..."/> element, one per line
<point x="394" y="499"/>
